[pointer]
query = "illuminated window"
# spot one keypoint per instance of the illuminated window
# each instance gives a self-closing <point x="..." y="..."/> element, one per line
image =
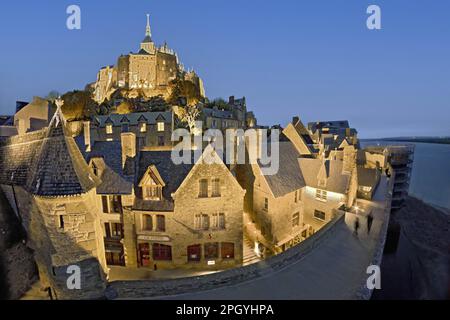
<point x="109" y="128"/>
<point x="160" y="126"/>
<point x="143" y="127"/>
<point x="321" y="195"/>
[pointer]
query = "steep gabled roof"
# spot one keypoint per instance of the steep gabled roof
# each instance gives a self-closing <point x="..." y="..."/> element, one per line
<point x="113" y="178"/>
<point x="60" y="169"/>
<point x="315" y="169"/>
<point x="289" y="176"/>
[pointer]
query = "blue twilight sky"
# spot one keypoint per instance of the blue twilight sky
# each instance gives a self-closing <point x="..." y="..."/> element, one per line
<point x="312" y="58"/>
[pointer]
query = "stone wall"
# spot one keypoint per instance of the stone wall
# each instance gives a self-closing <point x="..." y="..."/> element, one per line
<point x="164" y="288"/>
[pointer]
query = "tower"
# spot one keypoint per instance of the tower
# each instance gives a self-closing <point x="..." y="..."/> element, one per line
<point x="147" y="44"/>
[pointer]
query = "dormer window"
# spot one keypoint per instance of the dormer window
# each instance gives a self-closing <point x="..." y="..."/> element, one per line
<point x="109" y="128"/>
<point x="152" y="184"/>
<point x="160" y="126"/>
<point x="152" y="191"/>
<point x="143" y="127"/>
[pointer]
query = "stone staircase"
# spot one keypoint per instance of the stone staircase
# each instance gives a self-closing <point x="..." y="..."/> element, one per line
<point x="249" y="255"/>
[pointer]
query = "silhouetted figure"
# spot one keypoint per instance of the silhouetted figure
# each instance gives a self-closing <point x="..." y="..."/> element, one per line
<point x="369" y="222"/>
<point x="356" y="225"/>
<point x="155" y="267"/>
<point x="49" y="292"/>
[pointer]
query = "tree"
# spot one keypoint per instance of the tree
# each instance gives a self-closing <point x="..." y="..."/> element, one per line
<point x="189" y="114"/>
<point x="184" y="89"/>
<point x="220" y="103"/>
<point x="52" y="96"/>
<point x="78" y="105"/>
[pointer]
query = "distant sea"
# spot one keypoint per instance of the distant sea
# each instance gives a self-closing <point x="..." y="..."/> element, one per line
<point x="430" y="179"/>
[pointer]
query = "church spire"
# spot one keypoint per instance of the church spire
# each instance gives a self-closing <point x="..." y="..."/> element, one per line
<point x="148" y="31"/>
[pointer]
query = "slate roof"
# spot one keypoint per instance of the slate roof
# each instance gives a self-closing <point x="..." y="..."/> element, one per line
<point x="6" y="120"/>
<point x="17" y="154"/>
<point x="336" y="181"/>
<point x="46" y="163"/>
<point x="173" y="175"/>
<point x="223" y="114"/>
<point x="60" y="169"/>
<point x="147" y="39"/>
<point x="133" y="118"/>
<point x="367" y="176"/>
<point x="113" y="178"/>
<point x="289" y="176"/>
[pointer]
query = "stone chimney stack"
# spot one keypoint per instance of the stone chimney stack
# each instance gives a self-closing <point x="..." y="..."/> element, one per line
<point x="128" y="141"/>
<point x="87" y="135"/>
<point x="295" y="120"/>
<point x="21" y="126"/>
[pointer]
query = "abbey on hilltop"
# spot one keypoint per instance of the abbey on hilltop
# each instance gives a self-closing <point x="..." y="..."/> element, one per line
<point x="151" y="70"/>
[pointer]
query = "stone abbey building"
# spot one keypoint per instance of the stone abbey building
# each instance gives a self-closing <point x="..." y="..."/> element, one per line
<point x="151" y="70"/>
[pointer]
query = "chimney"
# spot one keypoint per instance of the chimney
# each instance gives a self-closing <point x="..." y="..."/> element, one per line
<point x="128" y="142"/>
<point x="87" y="135"/>
<point x="295" y="120"/>
<point x="21" y="126"/>
<point x="231" y="100"/>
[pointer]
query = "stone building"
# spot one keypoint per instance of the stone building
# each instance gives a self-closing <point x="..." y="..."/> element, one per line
<point x="276" y="205"/>
<point x="108" y="203"/>
<point x="52" y="190"/>
<point x="235" y="116"/>
<point x="159" y="213"/>
<point x="152" y="129"/>
<point x="33" y="116"/>
<point x="151" y="70"/>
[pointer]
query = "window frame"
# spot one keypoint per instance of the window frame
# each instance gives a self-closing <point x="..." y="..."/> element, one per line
<point x="203" y="188"/>
<point x="319" y="218"/>
<point x="109" y="128"/>
<point x="216" y="188"/>
<point x="145" y="226"/>
<point x="223" y="252"/>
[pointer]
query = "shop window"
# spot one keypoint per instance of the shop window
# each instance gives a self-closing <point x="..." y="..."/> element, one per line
<point x="162" y="252"/>
<point x="211" y="250"/>
<point x="227" y="250"/>
<point x="194" y="252"/>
